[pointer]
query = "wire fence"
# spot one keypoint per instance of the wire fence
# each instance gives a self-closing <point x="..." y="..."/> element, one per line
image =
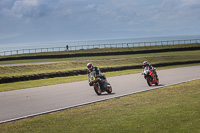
<point x="83" y="47"/>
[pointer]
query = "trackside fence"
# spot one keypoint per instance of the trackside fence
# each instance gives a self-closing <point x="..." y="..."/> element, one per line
<point x="117" y="45"/>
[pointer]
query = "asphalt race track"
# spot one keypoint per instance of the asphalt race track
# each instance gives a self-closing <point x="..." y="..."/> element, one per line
<point x="24" y="103"/>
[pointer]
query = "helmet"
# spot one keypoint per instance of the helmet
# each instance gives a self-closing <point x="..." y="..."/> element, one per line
<point x="145" y="63"/>
<point x="89" y="66"/>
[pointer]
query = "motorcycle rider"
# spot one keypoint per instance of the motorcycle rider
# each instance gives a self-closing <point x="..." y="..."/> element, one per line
<point x="148" y="67"/>
<point x="93" y="68"/>
<point x="98" y="73"/>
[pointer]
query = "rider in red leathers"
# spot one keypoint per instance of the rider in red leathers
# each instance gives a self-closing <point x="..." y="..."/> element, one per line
<point x="148" y="66"/>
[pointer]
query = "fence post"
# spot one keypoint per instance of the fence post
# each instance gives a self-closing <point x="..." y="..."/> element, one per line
<point x="23" y="51"/>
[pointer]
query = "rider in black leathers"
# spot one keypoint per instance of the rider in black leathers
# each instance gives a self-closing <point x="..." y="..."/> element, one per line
<point x="98" y="73"/>
<point x="93" y="68"/>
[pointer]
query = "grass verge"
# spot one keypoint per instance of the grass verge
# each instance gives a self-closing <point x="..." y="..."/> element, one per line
<point x="60" y="80"/>
<point x="177" y="53"/>
<point x="173" y="109"/>
<point x="102" y="62"/>
<point x="107" y="50"/>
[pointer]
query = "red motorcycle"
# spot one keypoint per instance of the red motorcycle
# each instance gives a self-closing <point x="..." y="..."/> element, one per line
<point x="150" y="76"/>
<point x="100" y="84"/>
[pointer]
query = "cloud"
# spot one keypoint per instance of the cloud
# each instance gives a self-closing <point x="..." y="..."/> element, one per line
<point x="168" y="14"/>
<point x="8" y="36"/>
<point x="128" y="10"/>
<point x="30" y="2"/>
<point x="89" y="17"/>
<point x="29" y="9"/>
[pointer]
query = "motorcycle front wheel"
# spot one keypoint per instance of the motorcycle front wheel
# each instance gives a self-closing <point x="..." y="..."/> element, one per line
<point x="97" y="89"/>
<point x="157" y="81"/>
<point x="109" y="90"/>
<point x="149" y="81"/>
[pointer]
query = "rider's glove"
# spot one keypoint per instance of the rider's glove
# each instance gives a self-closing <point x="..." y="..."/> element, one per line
<point x="90" y="83"/>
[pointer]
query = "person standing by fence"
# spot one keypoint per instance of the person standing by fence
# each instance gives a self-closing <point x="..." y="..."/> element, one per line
<point x="67" y="47"/>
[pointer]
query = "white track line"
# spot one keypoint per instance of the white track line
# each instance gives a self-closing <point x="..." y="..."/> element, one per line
<point x="64" y="108"/>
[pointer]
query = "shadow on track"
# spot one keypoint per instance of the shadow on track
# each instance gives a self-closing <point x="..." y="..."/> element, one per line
<point x="104" y="94"/>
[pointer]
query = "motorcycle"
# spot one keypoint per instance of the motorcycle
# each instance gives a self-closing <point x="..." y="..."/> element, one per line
<point x="150" y="76"/>
<point x="99" y="83"/>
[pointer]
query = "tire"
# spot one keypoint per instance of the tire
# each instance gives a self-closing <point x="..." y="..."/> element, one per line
<point x="149" y="81"/>
<point x="97" y="89"/>
<point x="109" y="90"/>
<point x="157" y="82"/>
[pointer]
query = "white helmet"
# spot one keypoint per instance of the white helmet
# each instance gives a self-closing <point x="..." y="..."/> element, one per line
<point x="89" y="66"/>
<point x="145" y="63"/>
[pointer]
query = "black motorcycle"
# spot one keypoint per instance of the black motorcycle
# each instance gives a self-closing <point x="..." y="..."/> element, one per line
<point x="99" y="82"/>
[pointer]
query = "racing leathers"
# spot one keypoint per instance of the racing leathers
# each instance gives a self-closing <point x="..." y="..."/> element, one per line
<point x="148" y="67"/>
<point x="102" y="77"/>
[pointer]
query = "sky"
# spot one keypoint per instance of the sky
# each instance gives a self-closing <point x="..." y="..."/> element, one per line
<point x="24" y="21"/>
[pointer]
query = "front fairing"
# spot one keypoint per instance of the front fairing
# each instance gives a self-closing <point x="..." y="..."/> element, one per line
<point x="146" y="72"/>
<point x="92" y="78"/>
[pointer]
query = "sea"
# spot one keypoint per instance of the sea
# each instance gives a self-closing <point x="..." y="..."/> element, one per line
<point x="20" y="46"/>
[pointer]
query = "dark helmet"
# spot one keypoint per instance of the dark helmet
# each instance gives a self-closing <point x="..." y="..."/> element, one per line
<point x="145" y="63"/>
<point x="89" y="66"/>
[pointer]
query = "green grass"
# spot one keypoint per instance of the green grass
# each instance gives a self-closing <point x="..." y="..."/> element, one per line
<point x="57" y="80"/>
<point x="177" y="53"/>
<point x="102" y="62"/>
<point x="102" y="50"/>
<point x="60" y="80"/>
<point x="79" y="63"/>
<point x="172" y="109"/>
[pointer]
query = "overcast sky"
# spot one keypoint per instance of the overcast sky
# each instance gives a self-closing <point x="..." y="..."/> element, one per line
<point x="64" y="20"/>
